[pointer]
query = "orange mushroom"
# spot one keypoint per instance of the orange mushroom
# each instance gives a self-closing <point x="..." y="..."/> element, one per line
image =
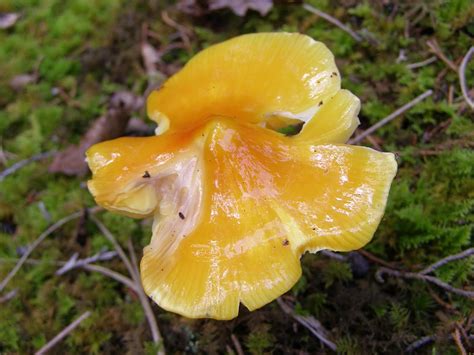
<point x="235" y="203"/>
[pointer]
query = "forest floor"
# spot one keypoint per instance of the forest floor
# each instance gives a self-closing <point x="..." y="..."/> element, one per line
<point x="63" y="63"/>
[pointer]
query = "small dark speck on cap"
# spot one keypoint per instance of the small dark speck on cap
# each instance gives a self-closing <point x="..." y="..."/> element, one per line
<point x="320" y="103"/>
<point x="286" y="242"/>
<point x="334" y="73"/>
<point x="146" y="175"/>
<point x="181" y="215"/>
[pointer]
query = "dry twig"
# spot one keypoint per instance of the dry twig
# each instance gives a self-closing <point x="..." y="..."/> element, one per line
<point x="89" y="267"/>
<point x="436" y="50"/>
<point x="111" y="238"/>
<point x="425" y="341"/>
<point x="420" y="342"/>
<point x="375" y="259"/>
<point x="310" y="323"/>
<point x="183" y="31"/>
<point x="422" y="275"/>
<point x="390" y="117"/>
<point x="7" y="297"/>
<point x="145" y="301"/>
<point x="74" y="262"/>
<point x="462" y="77"/>
<point x="18" y="165"/>
<point x="333" y="20"/>
<point x="464" y="254"/>
<point x="422" y="63"/>
<point x="413" y="275"/>
<point x="237" y="346"/>
<point x="112" y="274"/>
<point x="457" y="339"/>
<point x="135" y="275"/>
<point x="64" y="333"/>
<point x="35" y="244"/>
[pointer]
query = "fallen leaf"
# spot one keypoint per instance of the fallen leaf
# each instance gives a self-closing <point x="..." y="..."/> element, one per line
<point x="71" y="161"/>
<point x="8" y="20"/>
<point x="240" y="7"/>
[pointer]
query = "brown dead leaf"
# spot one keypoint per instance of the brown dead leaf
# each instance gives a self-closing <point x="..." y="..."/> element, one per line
<point x="8" y="20"/>
<point x="109" y="126"/>
<point x="240" y="7"/>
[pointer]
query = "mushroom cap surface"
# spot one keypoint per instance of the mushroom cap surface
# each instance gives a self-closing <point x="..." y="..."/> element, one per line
<point x="235" y="204"/>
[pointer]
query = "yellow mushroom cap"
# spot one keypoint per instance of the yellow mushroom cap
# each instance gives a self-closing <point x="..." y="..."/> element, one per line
<point x="235" y="204"/>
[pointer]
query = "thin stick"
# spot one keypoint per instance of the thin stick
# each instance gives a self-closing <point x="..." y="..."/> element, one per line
<point x="112" y="274"/>
<point x="89" y="267"/>
<point x="462" y="77"/>
<point x="310" y="323"/>
<point x="64" y="333"/>
<point x="332" y="20"/>
<point x="237" y="346"/>
<point x="422" y="63"/>
<point x="375" y="259"/>
<point x="424" y="341"/>
<point x="133" y="259"/>
<point x="420" y="342"/>
<point x="466" y="253"/>
<point x="74" y="262"/>
<point x="9" y="296"/>
<point x="412" y="275"/>
<point x="35" y="244"/>
<point x="390" y="117"/>
<point x="183" y="31"/>
<point x="135" y="274"/>
<point x="457" y="339"/>
<point x="155" y="332"/>
<point x="434" y="47"/>
<point x="111" y="238"/>
<point x="24" y="162"/>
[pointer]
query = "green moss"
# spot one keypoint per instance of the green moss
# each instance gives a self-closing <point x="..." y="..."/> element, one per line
<point x="260" y="339"/>
<point x="90" y="52"/>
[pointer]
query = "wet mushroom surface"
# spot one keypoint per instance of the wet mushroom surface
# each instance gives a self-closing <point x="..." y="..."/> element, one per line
<point x="235" y="203"/>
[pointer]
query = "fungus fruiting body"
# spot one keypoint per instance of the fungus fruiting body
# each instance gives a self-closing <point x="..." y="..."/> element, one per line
<point x="235" y="203"/>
